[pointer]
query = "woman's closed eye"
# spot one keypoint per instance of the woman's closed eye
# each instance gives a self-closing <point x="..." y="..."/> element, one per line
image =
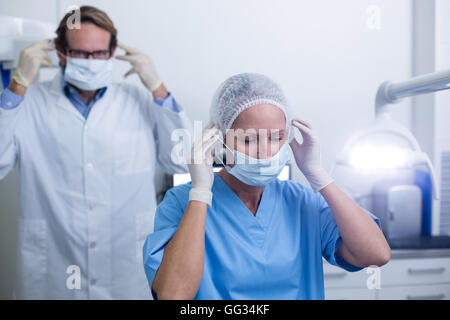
<point x="248" y="140"/>
<point x="277" y="137"/>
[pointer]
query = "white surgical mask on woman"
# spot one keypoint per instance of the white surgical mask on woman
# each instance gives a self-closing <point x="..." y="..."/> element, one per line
<point x="258" y="172"/>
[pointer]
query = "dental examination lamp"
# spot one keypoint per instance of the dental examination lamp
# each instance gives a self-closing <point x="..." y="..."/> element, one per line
<point x="384" y="157"/>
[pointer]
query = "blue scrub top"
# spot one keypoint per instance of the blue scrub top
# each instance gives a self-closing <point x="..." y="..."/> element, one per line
<point x="276" y="254"/>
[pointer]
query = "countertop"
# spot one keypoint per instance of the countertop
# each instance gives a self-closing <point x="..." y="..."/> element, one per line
<point x="419" y="253"/>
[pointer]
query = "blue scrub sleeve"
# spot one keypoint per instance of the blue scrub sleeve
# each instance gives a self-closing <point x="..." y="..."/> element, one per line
<point x="153" y="253"/>
<point x="167" y="218"/>
<point x="330" y="237"/>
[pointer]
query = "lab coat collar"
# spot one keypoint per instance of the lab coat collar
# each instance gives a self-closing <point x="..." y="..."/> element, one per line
<point x="57" y="90"/>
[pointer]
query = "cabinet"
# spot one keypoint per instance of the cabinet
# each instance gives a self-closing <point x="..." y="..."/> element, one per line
<point x="422" y="292"/>
<point x="414" y="277"/>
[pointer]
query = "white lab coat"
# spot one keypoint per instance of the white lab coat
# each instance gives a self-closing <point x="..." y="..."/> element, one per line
<point x="87" y="192"/>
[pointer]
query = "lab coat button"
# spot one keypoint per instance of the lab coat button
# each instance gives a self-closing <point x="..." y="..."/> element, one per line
<point x="89" y="165"/>
<point x="93" y="282"/>
<point x="93" y="245"/>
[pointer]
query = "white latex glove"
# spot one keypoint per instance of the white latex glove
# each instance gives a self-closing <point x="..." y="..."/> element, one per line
<point x="200" y="163"/>
<point x="308" y="157"/>
<point x="30" y="60"/>
<point x="142" y="65"/>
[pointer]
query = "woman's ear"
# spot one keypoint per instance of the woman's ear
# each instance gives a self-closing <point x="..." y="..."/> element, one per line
<point x="229" y="155"/>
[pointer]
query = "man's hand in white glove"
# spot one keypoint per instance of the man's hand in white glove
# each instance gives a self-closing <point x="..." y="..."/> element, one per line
<point x="200" y="165"/>
<point x="142" y="65"/>
<point x="308" y="157"/>
<point x="30" y="60"/>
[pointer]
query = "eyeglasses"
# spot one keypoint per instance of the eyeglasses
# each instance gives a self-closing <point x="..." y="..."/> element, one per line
<point x="98" y="54"/>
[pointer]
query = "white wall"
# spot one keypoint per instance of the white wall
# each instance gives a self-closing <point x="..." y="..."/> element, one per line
<point x="321" y="52"/>
<point x="442" y="116"/>
<point x="45" y="10"/>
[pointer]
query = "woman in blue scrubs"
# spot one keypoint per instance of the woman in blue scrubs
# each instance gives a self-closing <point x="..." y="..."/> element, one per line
<point x="242" y="233"/>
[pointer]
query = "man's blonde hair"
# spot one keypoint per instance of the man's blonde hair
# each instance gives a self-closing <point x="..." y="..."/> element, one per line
<point x="91" y="15"/>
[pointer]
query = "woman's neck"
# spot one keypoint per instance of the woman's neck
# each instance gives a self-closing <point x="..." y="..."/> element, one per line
<point x="249" y="195"/>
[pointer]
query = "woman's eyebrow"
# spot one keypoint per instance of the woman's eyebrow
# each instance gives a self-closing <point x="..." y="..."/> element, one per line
<point x="277" y="131"/>
<point x="268" y="132"/>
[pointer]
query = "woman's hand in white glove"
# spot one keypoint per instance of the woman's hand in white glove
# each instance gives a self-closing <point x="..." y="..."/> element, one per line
<point x="308" y="156"/>
<point x="142" y="65"/>
<point x="200" y="163"/>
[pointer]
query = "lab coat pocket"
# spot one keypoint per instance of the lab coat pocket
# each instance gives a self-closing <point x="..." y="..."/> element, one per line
<point x="33" y="258"/>
<point x="132" y="152"/>
<point x="144" y="226"/>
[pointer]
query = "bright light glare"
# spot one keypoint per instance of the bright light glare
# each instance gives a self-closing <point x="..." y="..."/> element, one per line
<point x="378" y="157"/>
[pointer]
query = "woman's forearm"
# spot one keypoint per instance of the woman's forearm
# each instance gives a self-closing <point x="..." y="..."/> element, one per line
<point x="363" y="243"/>
<point x="180" y="272"/>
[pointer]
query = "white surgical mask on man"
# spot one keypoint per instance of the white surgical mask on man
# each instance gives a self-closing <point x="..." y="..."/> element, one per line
<point x="88" y="74"/>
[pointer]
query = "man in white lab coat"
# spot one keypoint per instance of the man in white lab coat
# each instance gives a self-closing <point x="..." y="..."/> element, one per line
<point x="86" y="150"/>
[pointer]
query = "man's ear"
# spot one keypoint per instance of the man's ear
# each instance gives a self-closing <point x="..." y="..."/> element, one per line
<point x="113" y="51"/>
<point x="60" y="52"/>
